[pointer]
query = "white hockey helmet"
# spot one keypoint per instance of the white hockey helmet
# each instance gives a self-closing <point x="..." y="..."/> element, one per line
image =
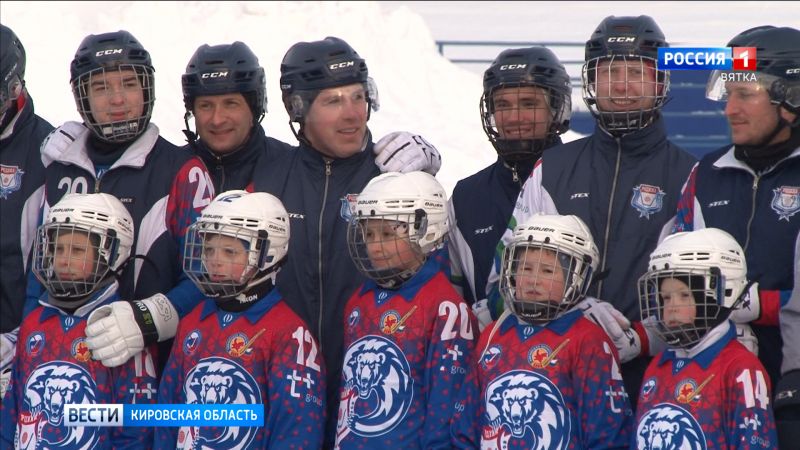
<point x="526" y="278"/>
<point x="417" y="202"/>
<point x="258" y="220"/>
<point x="109" y="227"/>
<point x="712" y="264"/>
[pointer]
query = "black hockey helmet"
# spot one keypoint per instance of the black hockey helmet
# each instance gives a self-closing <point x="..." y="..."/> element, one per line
<point x="101" y="53"/>
<point x="518" y="67"/>
<point x="226" y="69"/>
<point x="626" y="36"/>
<point x="777" y="55"/>
<point x="309" y="67"/>
<point x="12" y="66"/>
<point x="627" y="39"/>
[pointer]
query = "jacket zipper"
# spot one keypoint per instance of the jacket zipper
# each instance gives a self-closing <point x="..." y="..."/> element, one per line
<point x="752" y="211"/>
<point x="319" y="247"/>
<point x="608" y="216"/>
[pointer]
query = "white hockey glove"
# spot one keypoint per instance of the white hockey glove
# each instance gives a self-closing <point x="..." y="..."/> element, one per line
<point x="5" y="379"/>
<point x="481" y="311"/>
<point x="745" y="335"/>
<point x="59" y="140"/>
<point x="616" y="325"/>
<point x="749" y="309"/>
<point x="8" y="347"/>
<point x="117" y="332"/>
<point x="404" y="152"/>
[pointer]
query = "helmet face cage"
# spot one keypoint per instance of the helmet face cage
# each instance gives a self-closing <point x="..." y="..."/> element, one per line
<point x="386" y="248"/>
<point x="224" y="260"/>
<point x="71" y="259"/>
<point x="532" y="118"/>
<point x="681" y="305"/>
<point x="618" y="79"/>
<point x="103" y="93"/>
<point x="540" y="282"/>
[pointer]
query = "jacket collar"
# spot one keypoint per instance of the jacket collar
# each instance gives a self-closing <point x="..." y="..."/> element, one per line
<point x="75" y="153"/>
<point x="248" y="152"/>
<point x="642" y="142"/>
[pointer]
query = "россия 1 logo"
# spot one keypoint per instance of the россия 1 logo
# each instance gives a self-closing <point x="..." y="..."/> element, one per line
<point x="709" y="58"/>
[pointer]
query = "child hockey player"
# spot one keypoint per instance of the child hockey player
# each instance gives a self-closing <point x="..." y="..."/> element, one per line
<point x="243" y="344"/>
<point x="79" y="250"/>
<point x="706" y="390"/>
<point x="547" y="377"/>
<point x="407" y="333"/>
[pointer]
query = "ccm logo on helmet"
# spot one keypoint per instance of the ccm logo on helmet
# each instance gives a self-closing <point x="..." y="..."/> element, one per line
<point x="341" y="65"/>
<point x="513" y="66"/>
<point x="622" y="39"/>
<point x="792" y="71"/>
<point x="214" y="75"/>
<point x="113" y="51"/>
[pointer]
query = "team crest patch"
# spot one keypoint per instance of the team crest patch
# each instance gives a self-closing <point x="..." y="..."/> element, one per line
<point x="80" y="350"/>
<point x="192" y="341"/>
<point x="10" y="180"/>
<point x="648" y="388"/>
<point x="542" y="356"/>
<point x="491" y="356"/>
<point x="669" y="426"/>
<point x="647" y="199"/>
<point x="786" y="201"/>
<point x="239" y="345"/>
<point x="354" y="317"/>
<point x="523" y="406"/>
<point x="687" y="390"/>
<point x="348" y="207"/>
<point x="35" y="343"/>
<point x="391" y="322"/>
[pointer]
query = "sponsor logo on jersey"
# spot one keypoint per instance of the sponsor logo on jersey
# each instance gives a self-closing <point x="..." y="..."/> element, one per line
<point x="527" y="407"/>
<point x="10" y="180"/>
<point x="191" y="341"/>
<point x="377" y="391"/>
<point x="348" y="208"/>
<point x="786" y="201"/>
<point x="647" y="199"/>
<point x="687" y="390"/>
<point x="80" y="350"/>
<point x="668" y="426"/>
<point x="35" y="343"/>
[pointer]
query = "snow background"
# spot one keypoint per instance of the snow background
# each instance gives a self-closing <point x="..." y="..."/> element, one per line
<point x="420" y="90"/>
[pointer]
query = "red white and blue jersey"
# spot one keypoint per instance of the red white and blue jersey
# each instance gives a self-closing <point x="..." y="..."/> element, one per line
<point x="263" y="355"/>
<point x="54" y="367"/>
<point x="556" y="386"/>
<point x="717" y="399"/>
<point x="406" y="356"/>
<point x="163" y="187"/>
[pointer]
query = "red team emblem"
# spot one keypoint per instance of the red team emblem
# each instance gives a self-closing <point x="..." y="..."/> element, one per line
<point x="80" y="350"/>
<point x="688" y="391"/>
<point x="239" y="346"/>
<point x="541" y="356"/>
<point x="391" y="321"/>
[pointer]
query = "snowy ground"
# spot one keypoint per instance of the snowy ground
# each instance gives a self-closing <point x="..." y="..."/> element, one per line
<point x="420" y="90"/>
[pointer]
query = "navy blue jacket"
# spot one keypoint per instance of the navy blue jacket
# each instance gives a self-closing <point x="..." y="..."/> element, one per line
<point x="164" y="188"/>
<point x="625" y="190"/>
<point x="238" y="169"/>
<point x="21" y="190"/>
<point x="480" y="208"/>
<point x="318" y="276"/>
<point x="762" y="212"/>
